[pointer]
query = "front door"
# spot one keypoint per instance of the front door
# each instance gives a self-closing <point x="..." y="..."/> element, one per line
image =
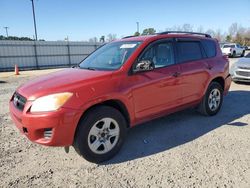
<point x="159" y="89"/>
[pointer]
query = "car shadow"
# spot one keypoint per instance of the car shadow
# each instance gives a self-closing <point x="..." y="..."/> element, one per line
<point x="179" y="128"/>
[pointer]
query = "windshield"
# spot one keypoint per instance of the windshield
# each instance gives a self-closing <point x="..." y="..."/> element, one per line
<point x="222" y="44"/>
<point x="110" y="56"/>
<point x="228" y="46"/>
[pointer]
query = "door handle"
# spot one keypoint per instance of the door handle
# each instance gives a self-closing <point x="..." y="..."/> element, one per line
<point x="176" y="74"/>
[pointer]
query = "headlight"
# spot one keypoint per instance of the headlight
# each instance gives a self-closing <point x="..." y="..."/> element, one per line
<point x="50" y="102"/>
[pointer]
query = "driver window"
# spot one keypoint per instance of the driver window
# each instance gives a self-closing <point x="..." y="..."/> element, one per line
<point x="160" y="54"/>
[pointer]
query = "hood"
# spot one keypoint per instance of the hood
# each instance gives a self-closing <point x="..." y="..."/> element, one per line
<point x="60" y="81"/>
<point x="243" y="62"/>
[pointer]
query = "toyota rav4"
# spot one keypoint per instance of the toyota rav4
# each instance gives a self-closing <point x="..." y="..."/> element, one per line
<point x="122" y="84"/>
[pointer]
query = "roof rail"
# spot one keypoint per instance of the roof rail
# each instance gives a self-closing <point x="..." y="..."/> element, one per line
<point x="128" y="37"/>
<point x="185" y="32"/>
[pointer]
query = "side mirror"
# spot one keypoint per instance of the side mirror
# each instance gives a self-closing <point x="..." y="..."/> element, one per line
<point x="144" y="65"/>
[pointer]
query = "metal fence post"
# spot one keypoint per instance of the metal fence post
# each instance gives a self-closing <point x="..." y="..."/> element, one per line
<point x="69" y="53"/>
<point x="37" y="65"/>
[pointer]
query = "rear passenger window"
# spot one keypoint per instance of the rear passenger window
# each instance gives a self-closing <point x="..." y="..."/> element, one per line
<point x="189" y="51"/>
<point x="209" y="47"/>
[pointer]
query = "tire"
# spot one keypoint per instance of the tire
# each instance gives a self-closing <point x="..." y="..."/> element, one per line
<point x="234" y="54"/>
<point x="212" y="100"/>
<point x="100" y="134"/>
<point x="243" y="54"/>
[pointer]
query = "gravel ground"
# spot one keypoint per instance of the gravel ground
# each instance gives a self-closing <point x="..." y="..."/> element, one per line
<point x="184" y="149"/>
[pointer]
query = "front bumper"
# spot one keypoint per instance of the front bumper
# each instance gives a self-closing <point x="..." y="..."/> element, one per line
<point x="241" y="75"/>
<point x="227" y="53"/>
<point x="61" y="123"/>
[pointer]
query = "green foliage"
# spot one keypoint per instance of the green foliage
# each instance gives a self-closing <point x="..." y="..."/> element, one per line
<point x="15" y="38"/>
<point x="148" y="31"/>
<point x="137" y="33"/>
<point x="102" y="39"/>
<point x="228" y="38"/>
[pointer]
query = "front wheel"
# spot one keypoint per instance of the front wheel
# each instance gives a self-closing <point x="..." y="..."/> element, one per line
<point x="212" y="101"/>
<point x="100" y="134"/>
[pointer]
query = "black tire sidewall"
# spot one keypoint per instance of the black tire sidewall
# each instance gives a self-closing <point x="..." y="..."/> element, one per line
<point x="234" y="54"/>
<point x="86" y="123"/>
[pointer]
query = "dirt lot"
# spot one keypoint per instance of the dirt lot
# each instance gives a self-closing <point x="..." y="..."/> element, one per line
<point x="181" y="150"/>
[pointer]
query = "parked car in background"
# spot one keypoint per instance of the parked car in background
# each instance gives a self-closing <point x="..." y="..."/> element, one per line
<point x="222" y="44"/>
<point x="233" y="50"/>
<point x="120" y="85"/>
<point x="240" y="70"/>
<point x="245" y="47"/>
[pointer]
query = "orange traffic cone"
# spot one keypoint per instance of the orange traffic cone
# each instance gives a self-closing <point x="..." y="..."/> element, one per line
<point x="16" y="70"/>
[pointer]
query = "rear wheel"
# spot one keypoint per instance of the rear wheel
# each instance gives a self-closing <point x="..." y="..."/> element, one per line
<point x="212" y="101"/>
<point x="100" y="134"/>
<point x="234" y="54"/>
<point x="243" y="54"/>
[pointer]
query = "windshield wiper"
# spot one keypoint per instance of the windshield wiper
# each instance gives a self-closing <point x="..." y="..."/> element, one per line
<point x="75" y="66"/>
<point x="89" y="68"/>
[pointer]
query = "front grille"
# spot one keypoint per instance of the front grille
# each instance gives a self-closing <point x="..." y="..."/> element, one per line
<point x="19" y="101"/>
<point x="242" y="73"/>
<point x="247" y="68"/>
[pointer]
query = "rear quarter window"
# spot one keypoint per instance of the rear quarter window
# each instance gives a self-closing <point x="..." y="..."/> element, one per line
<point x="189" y="51"/>
<point x="209" y="47"/>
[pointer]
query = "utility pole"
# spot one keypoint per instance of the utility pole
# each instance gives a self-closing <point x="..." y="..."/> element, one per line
<point x="137" y="23"/>
<point x="34" y="17"/>
<point x="6" y="29"/>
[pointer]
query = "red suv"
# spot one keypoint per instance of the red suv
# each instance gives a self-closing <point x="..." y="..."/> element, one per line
<point x="120" y="85"/>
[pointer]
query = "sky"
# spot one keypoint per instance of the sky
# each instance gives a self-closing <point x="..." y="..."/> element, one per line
<point x="84" y="19"/>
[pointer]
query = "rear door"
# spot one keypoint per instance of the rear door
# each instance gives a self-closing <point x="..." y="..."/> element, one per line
<point x="194" y="70"/>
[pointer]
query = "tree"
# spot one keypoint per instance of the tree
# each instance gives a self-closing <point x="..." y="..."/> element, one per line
<point x="187" y="27"/>
<point x="232" y="30"/>
<point x="15" y="38"/>
<point x="102" y="38"/>
<point x="228" y="38"/>
<point x="200" y="29"/>
<point x="238" y="38"/>
<point x="93" y="40"/>
<point x="219" y="36"/>
<point x="148" y="31"/>
<point x="137" y="33"/>
<point x="211" y="32"/>
<point x="111" y="37"/>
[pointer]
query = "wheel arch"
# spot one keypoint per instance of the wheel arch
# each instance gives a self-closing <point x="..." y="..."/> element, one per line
<point x="219" y="80"/>
<point x="114" y="103"/>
